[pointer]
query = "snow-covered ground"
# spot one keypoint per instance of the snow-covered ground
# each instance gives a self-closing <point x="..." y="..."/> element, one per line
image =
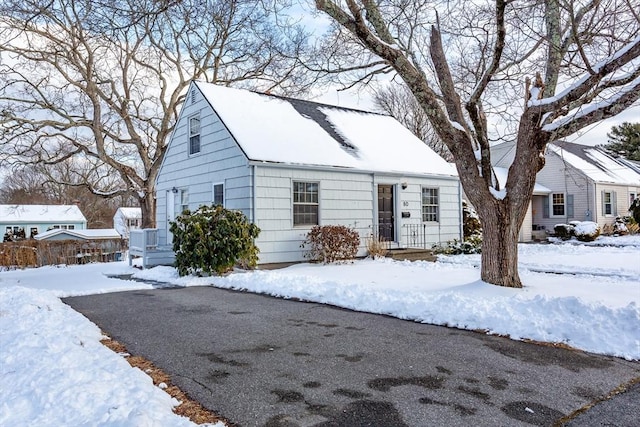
<point x="54" y="371"/>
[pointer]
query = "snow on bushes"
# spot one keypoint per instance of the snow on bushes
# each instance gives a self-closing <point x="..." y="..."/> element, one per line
<point x="585" y="231"/>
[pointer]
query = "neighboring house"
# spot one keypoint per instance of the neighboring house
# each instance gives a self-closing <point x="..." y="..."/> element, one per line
<point x="36" y="219"/>
<point x="289" y="165"/>
<point x="127" y="219"/>
<point x="527" y="231"/>
<point x="585" y="183"/>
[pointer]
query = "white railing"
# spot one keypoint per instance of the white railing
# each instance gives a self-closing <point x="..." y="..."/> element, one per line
<point x="141" y="242"/>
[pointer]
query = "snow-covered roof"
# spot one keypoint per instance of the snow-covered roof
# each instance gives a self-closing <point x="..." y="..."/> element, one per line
<point x="595" y="163"/>
<point x="501" y="176"/>
<point x="90" y="234"/>
<point x="274" y="129"/>
<point x="41" y="213"/>
<point x="130" y="213"/>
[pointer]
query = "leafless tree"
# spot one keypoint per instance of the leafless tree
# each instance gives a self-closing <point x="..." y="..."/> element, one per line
<point x="547" y="68"/>
<point x="102" y="81"/>
<point x="397" y="101"/>
<point x="65" y="183"/>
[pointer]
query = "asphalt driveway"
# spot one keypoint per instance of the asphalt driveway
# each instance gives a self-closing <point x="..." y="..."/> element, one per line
<point x="262" y="361"/>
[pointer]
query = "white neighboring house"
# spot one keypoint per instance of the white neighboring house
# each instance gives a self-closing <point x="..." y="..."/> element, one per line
<point x="36" y="219"/>
<point x="127" y="219"/>
<point x="290" y="164"/>
<point x="585" y="183"/>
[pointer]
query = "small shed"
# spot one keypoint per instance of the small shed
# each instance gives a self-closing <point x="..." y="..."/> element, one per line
<point x="35" y="219"/>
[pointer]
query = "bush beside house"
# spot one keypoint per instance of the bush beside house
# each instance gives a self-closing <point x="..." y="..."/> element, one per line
<point x="213" y="240"/>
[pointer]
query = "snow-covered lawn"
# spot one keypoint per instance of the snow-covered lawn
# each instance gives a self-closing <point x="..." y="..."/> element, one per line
<point x="54" y="371"/>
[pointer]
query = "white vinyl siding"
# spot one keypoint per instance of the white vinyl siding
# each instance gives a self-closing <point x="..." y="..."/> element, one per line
<point x="345" y="198"/>
<point x="220" y="161"/>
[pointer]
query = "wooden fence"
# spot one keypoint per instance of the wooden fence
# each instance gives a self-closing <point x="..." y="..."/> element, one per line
<point x="37" y="253"/>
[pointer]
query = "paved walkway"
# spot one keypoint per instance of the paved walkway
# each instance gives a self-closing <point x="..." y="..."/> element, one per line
<point x="262" y="361"/>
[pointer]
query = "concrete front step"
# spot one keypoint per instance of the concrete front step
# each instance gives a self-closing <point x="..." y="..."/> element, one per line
<point x="411" y="254"/>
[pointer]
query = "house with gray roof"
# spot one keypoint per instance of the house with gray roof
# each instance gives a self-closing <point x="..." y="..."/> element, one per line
<point x="290" y="164"/>
<point x="585" y="183"/>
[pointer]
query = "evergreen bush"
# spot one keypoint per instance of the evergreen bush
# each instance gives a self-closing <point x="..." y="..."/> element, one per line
<point x="213" y="240"/>
<point x="331" y="243"/>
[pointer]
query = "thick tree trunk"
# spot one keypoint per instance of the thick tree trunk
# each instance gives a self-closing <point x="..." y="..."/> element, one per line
<point x="148" y="207"/>
<point x="500" y="246"/>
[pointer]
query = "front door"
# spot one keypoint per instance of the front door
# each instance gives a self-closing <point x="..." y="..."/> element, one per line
<point x="386" y="217"/>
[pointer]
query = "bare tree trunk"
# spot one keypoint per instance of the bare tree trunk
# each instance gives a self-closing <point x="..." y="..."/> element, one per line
<point x="499" y="245"/>
<point x="148" y="208"/>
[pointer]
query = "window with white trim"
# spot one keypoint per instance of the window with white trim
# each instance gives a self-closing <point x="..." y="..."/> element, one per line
<point x="607" y="203"/>
<point x="632" y="198"/>
<point x="64" y="227"/>
<point x="430" y="204"/>
<point x="184" y="200"/>
<point x="194" y="134"/>
<point x="218" y="194"/>
<point x="305" y="203"/>
<point x="557" y="204"/>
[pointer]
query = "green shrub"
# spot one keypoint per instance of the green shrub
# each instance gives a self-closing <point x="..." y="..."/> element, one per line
<point x="331" y="243"/>
<point x="472" y="245"/>
<point x="213" y="240"/>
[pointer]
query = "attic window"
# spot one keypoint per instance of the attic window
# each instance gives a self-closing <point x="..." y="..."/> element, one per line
<point x="194" y="135"/>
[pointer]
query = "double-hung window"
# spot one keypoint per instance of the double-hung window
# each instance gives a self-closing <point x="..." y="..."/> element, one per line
<point x="609" y="203"/>
<point x="305" y="203"/>
<point x="557" y="204"/>
<point x="194" y="135"/>
<point x="218" y="194"/>
<point x="184" y="200"/>
<point x="430" y="204"/>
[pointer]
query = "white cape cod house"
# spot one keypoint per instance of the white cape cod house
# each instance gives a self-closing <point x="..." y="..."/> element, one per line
<point x="290" y="164"/>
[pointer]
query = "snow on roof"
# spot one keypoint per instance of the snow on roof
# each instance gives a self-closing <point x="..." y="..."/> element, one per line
<point x="284" y="130"/>
<point x="41" y="213"/>
<point x="90" y="234"/>
<point x="595" y="163"/>
<point x="501" y="176"/>
<point x="130" y="212"/>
